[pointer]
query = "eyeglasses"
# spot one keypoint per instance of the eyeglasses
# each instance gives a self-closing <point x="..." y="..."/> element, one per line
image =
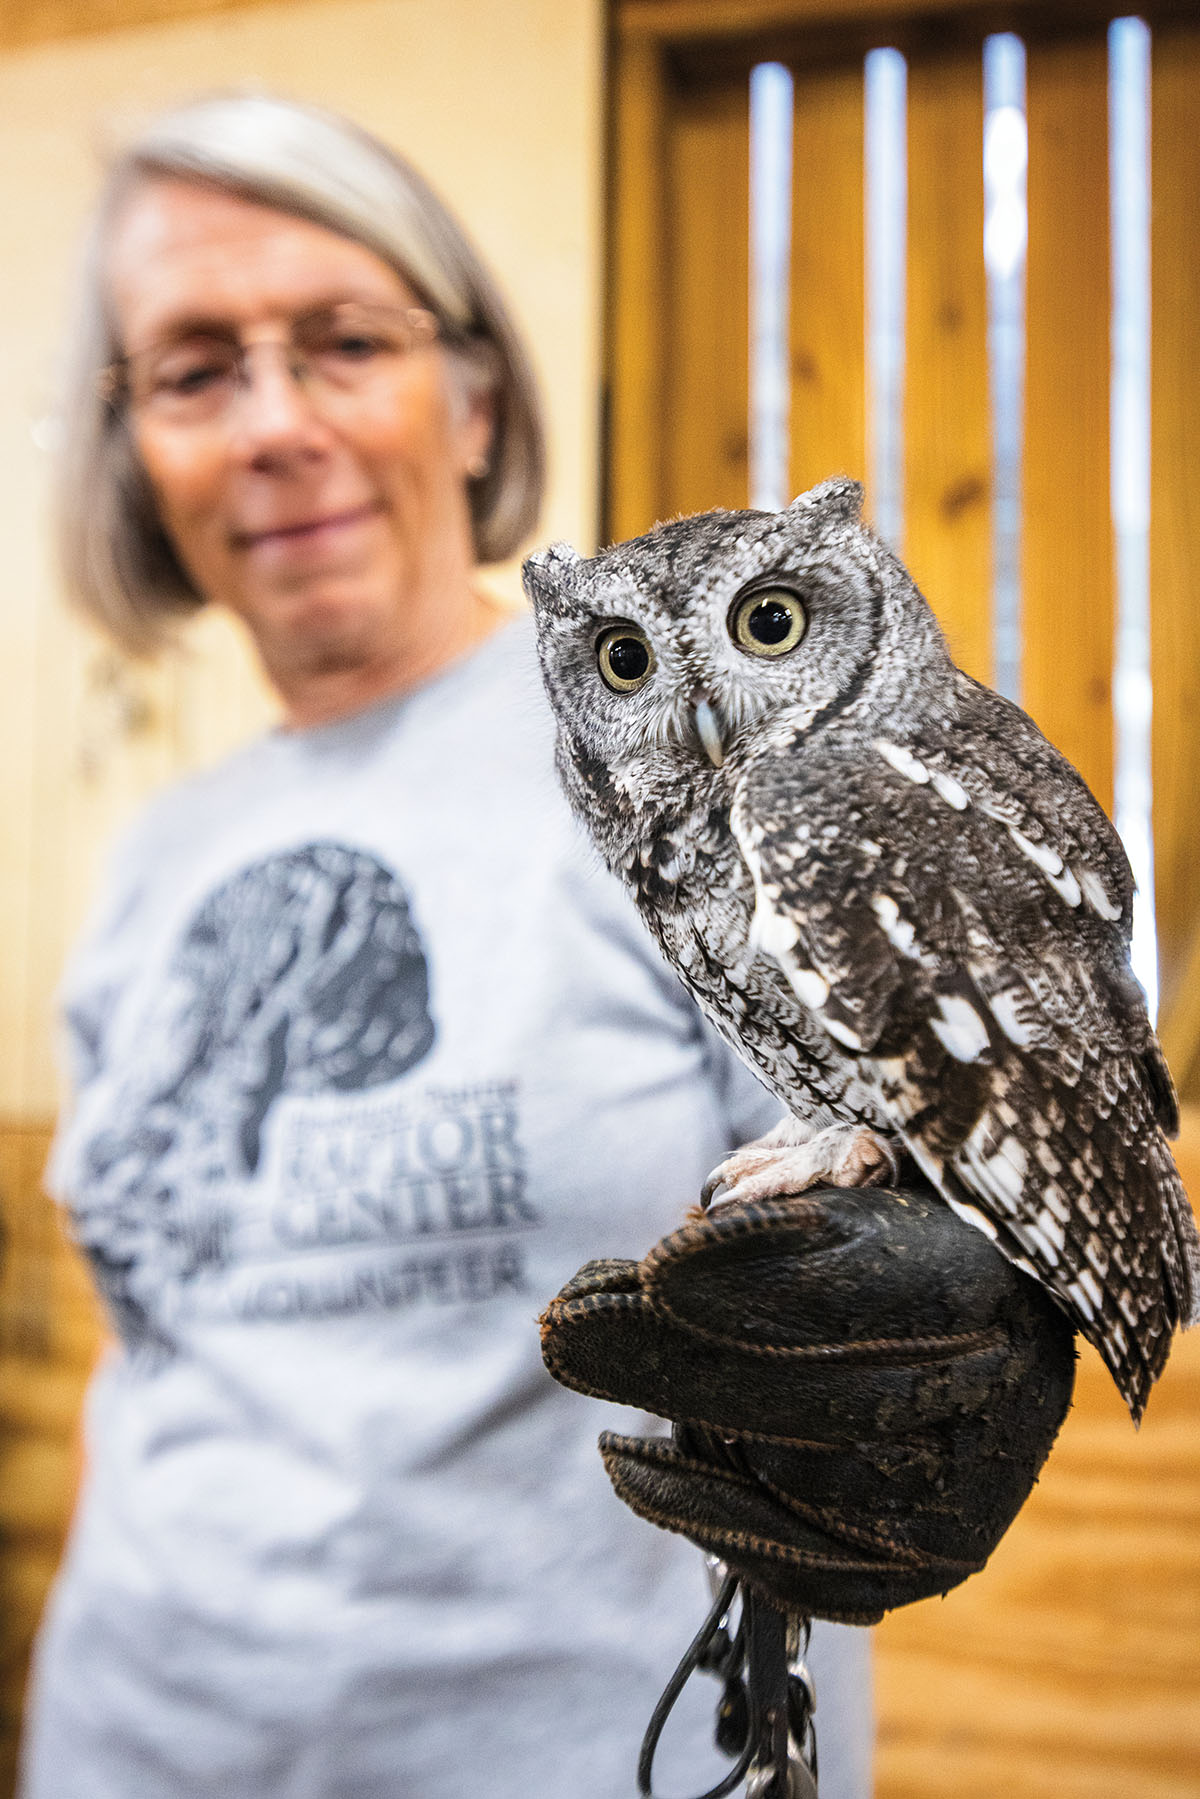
<point x="335" y="353"/>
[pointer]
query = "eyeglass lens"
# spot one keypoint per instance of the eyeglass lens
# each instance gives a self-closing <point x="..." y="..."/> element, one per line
<point x="341" y="349"/>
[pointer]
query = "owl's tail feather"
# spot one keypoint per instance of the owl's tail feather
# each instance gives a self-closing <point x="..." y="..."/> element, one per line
<point x="1136" y="1353"/>
<point x="1135" y="1356"/>
<point x="1181" y="1241"/>
<point x="1135" y="1344"/>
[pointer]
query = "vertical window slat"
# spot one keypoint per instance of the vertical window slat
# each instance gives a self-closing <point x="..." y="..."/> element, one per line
<point x="886" y="211"/>
<point x="1005" y="234"/>
<point x="1129" y="200"/>
<point x="770" y="243"/>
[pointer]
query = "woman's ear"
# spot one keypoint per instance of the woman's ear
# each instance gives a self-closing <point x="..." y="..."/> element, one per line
<point x="472" y="394"/>
<point x="478" y="431"/>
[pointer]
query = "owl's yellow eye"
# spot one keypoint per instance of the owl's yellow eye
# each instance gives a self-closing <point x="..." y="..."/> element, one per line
<point x="768" y="622"/>
<point x="625" y="657"/>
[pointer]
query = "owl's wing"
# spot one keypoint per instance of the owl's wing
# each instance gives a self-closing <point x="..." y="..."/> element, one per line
<point x="957" y="919"/>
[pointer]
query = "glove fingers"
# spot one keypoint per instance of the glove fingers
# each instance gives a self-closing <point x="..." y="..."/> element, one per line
<point x="605" y="1275"/>
<point x="791" y="1558"/>
<point x="836" y="1265"/>
<point x="612" y="1345"/>
<point x="618" y="1345"/>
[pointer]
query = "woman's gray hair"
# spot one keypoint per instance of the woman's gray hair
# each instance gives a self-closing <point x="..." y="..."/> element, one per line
<point x="119" y="563"/>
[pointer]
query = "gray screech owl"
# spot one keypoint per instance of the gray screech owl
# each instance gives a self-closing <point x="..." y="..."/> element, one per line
<point x="892" y="896"/>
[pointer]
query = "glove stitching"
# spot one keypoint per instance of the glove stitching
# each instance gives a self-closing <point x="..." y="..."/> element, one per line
<point x="562" y="1370"/>
<point x="921" y="1559"/>
<point x="909" y="1351"/>
<point x="668" y="1456"/>
<point x="804" y="1558"/>
<point x="752" y="1220"/>
<point x="665" y="1454"/>
<point x="748" y="1543"/>
<point x="917" y="1351"/>
<point x="694" y="1239"/>
<point x="568" y="1377"/>
<point x="580" y="1305"/>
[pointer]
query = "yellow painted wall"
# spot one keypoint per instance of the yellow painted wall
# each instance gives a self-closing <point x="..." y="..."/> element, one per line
<point x="499" y="101"/>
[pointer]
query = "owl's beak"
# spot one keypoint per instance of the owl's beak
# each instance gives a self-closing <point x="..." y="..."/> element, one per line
<point x="708" y="728"/>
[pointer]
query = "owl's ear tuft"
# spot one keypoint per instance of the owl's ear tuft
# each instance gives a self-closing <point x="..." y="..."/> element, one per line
<point x="840" y="497"/>
<point x="543" y="574"/>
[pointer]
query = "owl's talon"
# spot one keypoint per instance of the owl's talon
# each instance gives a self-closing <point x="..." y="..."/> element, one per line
<point x="844" y="1155"/>
<point x="712" y="1189"/>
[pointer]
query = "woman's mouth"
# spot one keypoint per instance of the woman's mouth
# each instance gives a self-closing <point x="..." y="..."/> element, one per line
<point x="305" y="532"/>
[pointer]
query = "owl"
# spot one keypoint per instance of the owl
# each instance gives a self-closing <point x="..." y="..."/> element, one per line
<point x="900" y="905"/>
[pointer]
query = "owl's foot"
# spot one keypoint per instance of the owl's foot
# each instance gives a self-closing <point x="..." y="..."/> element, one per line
<point x="843" y="1155"/>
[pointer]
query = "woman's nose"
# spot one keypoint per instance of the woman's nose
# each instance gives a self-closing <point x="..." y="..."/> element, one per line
<point x="273" y="412"/>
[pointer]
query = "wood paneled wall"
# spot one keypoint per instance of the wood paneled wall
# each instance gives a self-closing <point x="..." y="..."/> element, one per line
<point x="50" y="1331"/>
<point x="38" y="21"/>
<point x="678" y="345"/>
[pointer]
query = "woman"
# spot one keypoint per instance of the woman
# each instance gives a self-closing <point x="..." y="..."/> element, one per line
<point x="367" y="1056"/>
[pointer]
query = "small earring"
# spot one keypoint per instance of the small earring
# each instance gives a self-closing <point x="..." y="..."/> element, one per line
<point x="478" y="467"/>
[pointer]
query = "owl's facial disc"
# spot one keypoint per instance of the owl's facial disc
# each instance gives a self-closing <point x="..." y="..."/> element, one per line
<point x="765" y="620"/>
<point x="626" y="661"/>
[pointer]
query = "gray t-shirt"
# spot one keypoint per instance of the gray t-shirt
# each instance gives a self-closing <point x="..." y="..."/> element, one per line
<point x="369" y="1055"/>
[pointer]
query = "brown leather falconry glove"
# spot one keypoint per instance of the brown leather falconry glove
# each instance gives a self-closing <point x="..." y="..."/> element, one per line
<point x="863" y="1391"/>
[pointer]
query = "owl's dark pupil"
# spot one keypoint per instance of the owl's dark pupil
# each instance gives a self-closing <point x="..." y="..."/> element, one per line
<point x="628" y="658"/>
<point x="769" y="622"/>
